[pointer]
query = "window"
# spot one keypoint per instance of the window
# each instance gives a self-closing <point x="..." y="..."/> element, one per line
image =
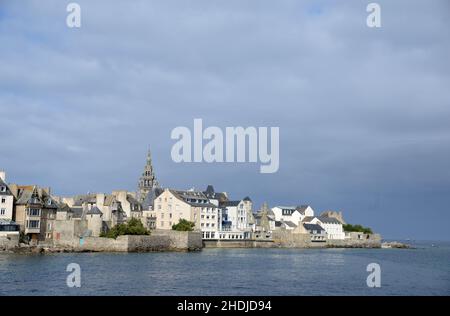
<point x="2" y="189"/>
<point x="2" y="211"/>
<point x="3" y="200"/>
<point x="33" y="224"/>
<point x="162" y="215"/>
<point x="162" y="224"/>
<point x="34" y="212"/>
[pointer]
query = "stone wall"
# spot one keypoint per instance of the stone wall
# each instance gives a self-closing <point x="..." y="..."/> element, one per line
<point x="287" y="239"/>
<point x="158" y="241"/>
<point x="357" y="240"/>
<point x="9" y="241"/>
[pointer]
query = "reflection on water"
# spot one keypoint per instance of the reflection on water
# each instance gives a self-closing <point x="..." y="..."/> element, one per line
<point x="423" y="271"/>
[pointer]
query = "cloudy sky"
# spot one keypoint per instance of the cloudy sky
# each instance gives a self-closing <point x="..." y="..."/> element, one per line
<point x="363" y="113"/>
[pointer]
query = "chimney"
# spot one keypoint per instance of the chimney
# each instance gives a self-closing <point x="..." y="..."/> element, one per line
<point x="3" y="175"/>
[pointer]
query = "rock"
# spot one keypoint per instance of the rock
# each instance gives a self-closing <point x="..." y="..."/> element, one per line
<point x="395" y="244"/>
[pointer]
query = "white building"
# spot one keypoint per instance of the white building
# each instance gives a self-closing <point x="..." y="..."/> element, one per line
<point x="237" y="219"/>
<point x="332" y="226"/>
<point x="6" y="199"/>
<point x="292" y="214"/>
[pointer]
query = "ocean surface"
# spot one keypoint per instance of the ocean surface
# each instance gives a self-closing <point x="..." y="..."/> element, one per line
<point x="273" y="272"/>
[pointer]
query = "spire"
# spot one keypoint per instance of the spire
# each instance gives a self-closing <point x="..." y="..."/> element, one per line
<point x="148" y="179"/>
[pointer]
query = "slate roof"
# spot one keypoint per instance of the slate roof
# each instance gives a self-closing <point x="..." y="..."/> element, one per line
<point x="86" y="198"/>
<point x="212" y="194"/>
<point x="29" y="197"/>
<point x="302" y="209"/>
<point x="132" y="200"/>
<point x="188" y="196"/>
<point x="7" y="190"/>
<point x="63" y="207"/>
<point x="229" y="203"/>
<point x="290" y="224"/>
<point x="329" y="220"/>
<point x="308" y="219"/>
<point x="312" y="227"/>
<point x="150" y="198"/>
<point x="77" y="212"/>
<point x="94" y="211"/>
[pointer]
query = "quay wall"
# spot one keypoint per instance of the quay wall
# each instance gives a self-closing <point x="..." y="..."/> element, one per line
<point x="157" y="241"/>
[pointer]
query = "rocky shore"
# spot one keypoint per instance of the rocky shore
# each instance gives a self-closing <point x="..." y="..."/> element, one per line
<point x="395" y="245"/>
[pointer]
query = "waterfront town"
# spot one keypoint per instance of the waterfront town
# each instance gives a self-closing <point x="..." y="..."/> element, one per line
<point x="31" y="216"/>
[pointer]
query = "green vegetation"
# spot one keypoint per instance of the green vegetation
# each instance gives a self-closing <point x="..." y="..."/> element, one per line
<point x="357" y="228"/>
<point x="184" y="226"/>
<point x="132" y="227"/>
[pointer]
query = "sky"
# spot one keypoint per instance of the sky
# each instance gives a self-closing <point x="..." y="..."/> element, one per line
<point x="363" y="112"/>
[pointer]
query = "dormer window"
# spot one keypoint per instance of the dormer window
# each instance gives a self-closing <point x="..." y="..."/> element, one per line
<point x="2" y="189"/>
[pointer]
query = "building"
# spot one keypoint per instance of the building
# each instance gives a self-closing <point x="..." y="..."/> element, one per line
<point x="148" y="181"/>
<point x="237" y="216"/>
<point x="332" y="226"/>
<point x="6" y="199"/>
<point x="36" y="212"/>
<point x="334" y="214"/>
<point x="8" y="228"/>
<point x="318" y="234"/>
<point x="264" y="222"/>
<point x="108" y="205"/>
<point x="130" y="205"/>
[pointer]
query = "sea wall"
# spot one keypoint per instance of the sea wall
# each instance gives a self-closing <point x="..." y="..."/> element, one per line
<point x="287" y="239"/>
<point x="357" y="240"/>
<point x="157" y="241"/>
<point x="238" y="244"/>
<point x="9" y="241"/>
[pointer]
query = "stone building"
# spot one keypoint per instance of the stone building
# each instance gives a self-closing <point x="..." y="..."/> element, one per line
<point x="35" y="212"/>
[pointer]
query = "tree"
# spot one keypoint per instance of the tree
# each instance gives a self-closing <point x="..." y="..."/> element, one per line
<point x="132" y="227"/>
<point x="184" y="226"/>
<point x="357" y="228"/>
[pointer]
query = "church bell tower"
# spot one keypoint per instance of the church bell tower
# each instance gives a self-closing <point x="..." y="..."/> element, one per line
<point x="148" y="179"/>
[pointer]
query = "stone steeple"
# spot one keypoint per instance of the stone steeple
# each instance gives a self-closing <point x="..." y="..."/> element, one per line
<point x="148" y="179"/>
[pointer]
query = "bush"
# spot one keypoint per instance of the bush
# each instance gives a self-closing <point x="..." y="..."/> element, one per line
<point x="357" y="228"/>
<point x="184" y="226"/>
<point x="133" y="227"/>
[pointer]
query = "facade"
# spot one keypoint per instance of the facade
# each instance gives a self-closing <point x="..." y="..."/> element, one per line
<point x="6" y="199"/>
<point x="35" y="212"/>
<point x="237" y="216"/>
